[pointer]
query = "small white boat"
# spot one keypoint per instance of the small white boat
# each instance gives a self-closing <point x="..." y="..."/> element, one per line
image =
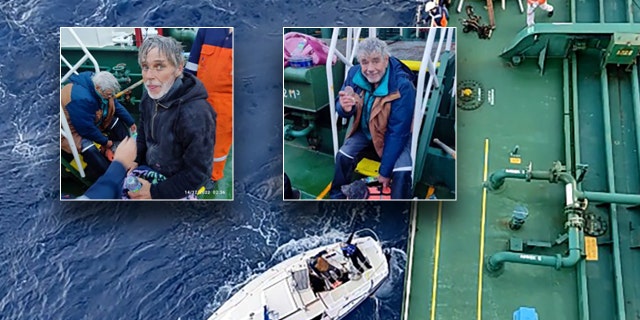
<point x="319" y="284"/>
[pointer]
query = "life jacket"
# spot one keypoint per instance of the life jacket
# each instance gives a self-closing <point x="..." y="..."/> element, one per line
<point x="349" y="249"/>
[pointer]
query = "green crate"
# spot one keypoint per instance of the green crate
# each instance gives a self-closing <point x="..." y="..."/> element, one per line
<point x="306" y="88"/>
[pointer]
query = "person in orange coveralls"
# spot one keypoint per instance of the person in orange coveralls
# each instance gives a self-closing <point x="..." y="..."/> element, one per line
<point x="211" y="60"/>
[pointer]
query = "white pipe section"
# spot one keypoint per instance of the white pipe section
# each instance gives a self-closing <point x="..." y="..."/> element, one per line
<point x="332" y="102"/>
<point x="66" y="132"/>
<point x="420" y="96"/>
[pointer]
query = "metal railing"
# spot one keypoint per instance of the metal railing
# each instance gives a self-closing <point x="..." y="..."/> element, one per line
<point x="428" y="63"/>
<point x="65" y="131"/>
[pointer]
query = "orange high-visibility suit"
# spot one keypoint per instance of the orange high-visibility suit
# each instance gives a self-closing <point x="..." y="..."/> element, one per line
<point x="211" y="59"/>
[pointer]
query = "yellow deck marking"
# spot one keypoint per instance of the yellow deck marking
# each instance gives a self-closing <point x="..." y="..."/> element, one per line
<point x="482" y="221"/>
<point x="434" y="289"/>
<point x="513" y="160"/>
<point x="324" y="192"/>
<point x="591" y="247"/>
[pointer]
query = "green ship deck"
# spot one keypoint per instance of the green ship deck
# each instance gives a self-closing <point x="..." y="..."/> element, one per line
<point x="572" y="113"/>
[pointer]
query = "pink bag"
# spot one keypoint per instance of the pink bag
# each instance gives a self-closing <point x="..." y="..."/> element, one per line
<point x="313" y="47"/>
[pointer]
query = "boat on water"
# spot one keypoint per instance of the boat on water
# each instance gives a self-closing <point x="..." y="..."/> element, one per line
<point x="319" y="284"/>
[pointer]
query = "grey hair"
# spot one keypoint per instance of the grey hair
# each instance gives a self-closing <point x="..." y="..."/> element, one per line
<point x="372" y="45"/>
<point x="166" y="46"/>
<point x="106" y="81"/>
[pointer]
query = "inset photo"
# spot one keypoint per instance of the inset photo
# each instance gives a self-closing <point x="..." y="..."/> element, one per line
<point x="146" y="113"/>
<point x="369" y="113"/>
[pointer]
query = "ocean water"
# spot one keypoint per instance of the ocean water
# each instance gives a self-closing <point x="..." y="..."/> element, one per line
<point x="165" y="260"/>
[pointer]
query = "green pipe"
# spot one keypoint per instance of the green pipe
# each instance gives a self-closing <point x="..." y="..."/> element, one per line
<point x="567" y="115"/>
<point x="576" y="115"/>
<point x="496" y="179"/>
<point x="630" y="11"/>
<point x="496" y="262"/>
<point x="636" y="105"/>
<point x="182" y="34"/>
<point x="601" y="7"/>
<point x="573" y="11"/>
<point x="574" y="146"/>
<point x="288" y="131"/>
<point x="618" y="198"/>
<point x="615" y="237"/>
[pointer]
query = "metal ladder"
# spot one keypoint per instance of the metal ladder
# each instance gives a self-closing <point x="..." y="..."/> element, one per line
<point x="65" y="131"/>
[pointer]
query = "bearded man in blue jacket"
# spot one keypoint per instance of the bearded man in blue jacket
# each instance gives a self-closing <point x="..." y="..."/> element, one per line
<point x="380" y="93"/>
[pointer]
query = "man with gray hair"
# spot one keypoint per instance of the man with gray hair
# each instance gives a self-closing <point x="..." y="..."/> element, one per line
<point x="88" y="102"/>
<point x="380" y="93"/>
<point x="177" y="125"/>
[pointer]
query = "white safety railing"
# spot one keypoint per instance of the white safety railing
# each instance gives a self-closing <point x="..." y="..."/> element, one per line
<point x="429" y="61"/>
<point x="353" y="34"/>
<point x="65" y="131"/>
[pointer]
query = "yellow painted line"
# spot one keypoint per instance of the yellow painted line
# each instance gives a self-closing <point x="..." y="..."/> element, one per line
<point x="434" y="289"/>
<point x="482" y="221"/>
<point x="324" y="192"/>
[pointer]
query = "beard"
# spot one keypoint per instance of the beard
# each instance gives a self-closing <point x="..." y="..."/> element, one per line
<point x="373" y="79"/>
<point x="158" y="89"/>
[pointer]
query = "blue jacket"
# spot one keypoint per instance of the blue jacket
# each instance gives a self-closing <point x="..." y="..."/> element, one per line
<point x="85" y="103"/>
<point x="391" y="114"/>
<point x="109" y="185"/>
<point x="176" y="136"/>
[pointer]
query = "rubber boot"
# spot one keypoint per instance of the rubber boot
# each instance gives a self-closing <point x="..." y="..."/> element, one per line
<point x="118" y="130"/>
<point x="550" y="14"/>
<point x="97" y="164"/>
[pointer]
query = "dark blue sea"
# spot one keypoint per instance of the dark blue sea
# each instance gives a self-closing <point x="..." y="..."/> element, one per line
<point x="165" y="260"/>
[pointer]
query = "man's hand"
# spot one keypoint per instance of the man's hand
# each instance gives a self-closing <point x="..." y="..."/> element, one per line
<point x="384" y="181"/>
<point x="348" y="99"/>
<point x="126" y="153"/>
<point x="105" y="149"/>
<point x="143" y="193"/>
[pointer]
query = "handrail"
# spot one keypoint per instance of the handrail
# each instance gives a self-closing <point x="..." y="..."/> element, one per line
<point x="65" y="130"/>
<point x="352" y="46"/>
<point x="422" y="91"/>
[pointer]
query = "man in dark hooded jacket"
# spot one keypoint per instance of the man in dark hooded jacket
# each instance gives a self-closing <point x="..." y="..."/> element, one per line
<point x="89" y="104"/>
<point x="380" y="93"/>
<point x="176" y="132"/>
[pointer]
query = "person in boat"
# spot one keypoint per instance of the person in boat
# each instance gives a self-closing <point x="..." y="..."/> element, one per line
<point x="437" y="14"/>
<point x="532" y="5"/>
<point x="211" y="60"/>
<point x="109" y="185"/>
<point x="380" y="94"/>
<point x="95" y="117"/>
<point x="177" y="126"/>
<point x="352" y="252"/>
<point x="326" y="271"/>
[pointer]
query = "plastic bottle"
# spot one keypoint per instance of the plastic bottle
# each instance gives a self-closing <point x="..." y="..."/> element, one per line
<point x="298" y="59"/>
<point x="132" y="184"/>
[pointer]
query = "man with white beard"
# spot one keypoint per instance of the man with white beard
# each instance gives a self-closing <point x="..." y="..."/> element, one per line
<point x="176" y="132"/>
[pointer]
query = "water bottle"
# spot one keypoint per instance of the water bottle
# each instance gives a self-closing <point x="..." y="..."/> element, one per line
<point x="298" y="59"/>
<point x="132" y="184"/>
